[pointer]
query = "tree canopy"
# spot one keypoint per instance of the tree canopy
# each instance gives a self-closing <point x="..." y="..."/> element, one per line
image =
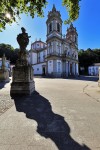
<point x="88" y="57"/>
<point x="10" y="10"/>
<point x="10" y="53"/>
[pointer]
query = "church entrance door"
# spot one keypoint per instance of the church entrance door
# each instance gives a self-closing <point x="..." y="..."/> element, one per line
<point x="43" y="70"/>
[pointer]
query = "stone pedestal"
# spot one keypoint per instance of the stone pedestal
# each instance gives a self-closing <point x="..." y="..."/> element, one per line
<point x="4" y="75"/>
<point x="22" y="78"/>
<point x="99" y="78"/>
<point x="22" y="82"/>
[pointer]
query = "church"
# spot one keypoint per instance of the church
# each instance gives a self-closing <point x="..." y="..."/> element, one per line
<point x="58" y="57"/>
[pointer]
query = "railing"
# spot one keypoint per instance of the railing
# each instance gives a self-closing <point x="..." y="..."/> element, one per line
<point x="63" y="56"/>
<point x="54" y="54"/>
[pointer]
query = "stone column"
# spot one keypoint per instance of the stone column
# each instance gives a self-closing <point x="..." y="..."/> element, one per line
<point x="99" y="78"/>
<point x="73" y="68"/>
<point x="77" y="70"/>
<point x="67" y="68"/>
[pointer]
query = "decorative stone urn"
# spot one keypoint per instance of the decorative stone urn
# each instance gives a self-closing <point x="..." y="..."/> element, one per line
<point x="4" y="73"/>
<point x="22" y="77"/>
<point x="99" y="78"/>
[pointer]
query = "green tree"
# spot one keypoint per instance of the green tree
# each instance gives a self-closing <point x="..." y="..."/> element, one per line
<point x="10" y="10"/>
<point x="10" y="53"/>
<point x="88" y="57"/>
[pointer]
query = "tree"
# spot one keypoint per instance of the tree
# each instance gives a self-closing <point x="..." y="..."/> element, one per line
<point x="73" y="9"/>
<point x="10" y="53"/>
<point x="10" y="10"/>
<point x="88" y="57"/>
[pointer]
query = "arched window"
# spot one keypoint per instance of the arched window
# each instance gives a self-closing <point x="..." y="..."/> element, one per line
<point x="50" y="27"/>
<point x="75" y="39"/>
<point x="58" y="27"/>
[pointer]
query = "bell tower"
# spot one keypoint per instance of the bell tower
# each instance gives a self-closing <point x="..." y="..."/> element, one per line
<point x="72" y="35"/>
<point x="54" y="40"/>
<point x="54" y="24"/>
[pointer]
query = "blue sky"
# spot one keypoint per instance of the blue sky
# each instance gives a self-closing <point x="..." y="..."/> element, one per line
<point x="88" y="25"/>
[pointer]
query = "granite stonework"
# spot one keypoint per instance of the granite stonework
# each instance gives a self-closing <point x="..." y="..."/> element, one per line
<point x="99" y="78"/>
<point x="22" y="78"/>
<point x="22" y="81"/>
<point x="4" y="73"/>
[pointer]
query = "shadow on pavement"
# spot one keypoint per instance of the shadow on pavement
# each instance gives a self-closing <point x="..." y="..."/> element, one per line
<point x="50" y="125"/>
<point x="2" y="84"/>
<point x="81" y="77"/>
<point x="88" y="78"/>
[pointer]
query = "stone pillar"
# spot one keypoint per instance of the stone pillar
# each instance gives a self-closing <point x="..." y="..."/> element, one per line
<point x="73" y="68"/>
<point x="99" y="78"/>
<point x="4" y="73"/>
<point x="77" y="69"/>
<point x="67" y="68"/>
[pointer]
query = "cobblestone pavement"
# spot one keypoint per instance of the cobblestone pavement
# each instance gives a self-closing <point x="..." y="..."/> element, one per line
<point x="5" y="100"/>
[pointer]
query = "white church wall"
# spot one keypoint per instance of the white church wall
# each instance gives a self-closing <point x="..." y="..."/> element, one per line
<point x="77" y="69"/>
<point x="41" y="56"/>
<point x="46" y="53"/>
<point x="33" y="58"/>
<point x="93" y="70"/>
<point x="38" y="68"/>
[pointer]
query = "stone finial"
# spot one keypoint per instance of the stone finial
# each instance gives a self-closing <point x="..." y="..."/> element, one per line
<point x="54" y="8"/>
<point x="71" y="25"/>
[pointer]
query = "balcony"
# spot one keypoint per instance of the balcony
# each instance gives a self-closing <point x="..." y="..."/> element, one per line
<point x="62" y="56"/>
<point x="54" y="54"/>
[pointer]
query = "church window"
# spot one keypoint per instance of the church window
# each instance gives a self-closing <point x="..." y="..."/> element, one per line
<point x="59" y="66"/>
<point x="75" y="39"/>
<point x="59" y="48"/>
<point x="38" y="57"/>
<point x="50" y="48"/>
<point x="38" y="44"/>
<point x="58" y="27"/>
<point x="68" y="53"/>
<point x="50" y="27"/>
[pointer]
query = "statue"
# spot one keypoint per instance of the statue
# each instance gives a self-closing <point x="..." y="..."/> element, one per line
<point x="22" y="77"/>
<point x="23" y="39"/>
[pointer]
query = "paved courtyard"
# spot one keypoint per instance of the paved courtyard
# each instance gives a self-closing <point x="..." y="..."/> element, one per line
<point x="63" y="114"/>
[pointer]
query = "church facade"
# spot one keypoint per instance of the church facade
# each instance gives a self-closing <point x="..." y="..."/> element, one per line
<point x="58" y="57"/>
